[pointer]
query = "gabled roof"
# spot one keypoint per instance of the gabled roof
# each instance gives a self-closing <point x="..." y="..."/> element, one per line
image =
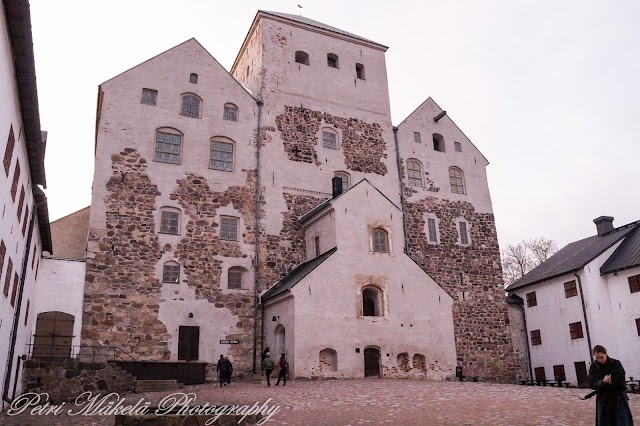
<point x="575" y="256"/>
<point x="626" y="256"/>
<point x="296" y="275"/>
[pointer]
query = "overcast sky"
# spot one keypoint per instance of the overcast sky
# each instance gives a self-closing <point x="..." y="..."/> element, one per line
<point x="549" y="91"/>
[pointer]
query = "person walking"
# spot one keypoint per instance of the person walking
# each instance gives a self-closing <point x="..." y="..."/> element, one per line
<point x="221" y="369"/>
<point x="229" y="370"/>
<point x="268" y="366"/>
<point x="284" y="370"/>
<point x="607" y="377"/>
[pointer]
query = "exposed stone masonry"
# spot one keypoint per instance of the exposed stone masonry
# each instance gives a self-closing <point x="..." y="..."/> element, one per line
<point x="361" y="143"/>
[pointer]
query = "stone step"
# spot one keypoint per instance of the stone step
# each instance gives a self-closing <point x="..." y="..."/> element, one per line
<point x="156" y="385"/>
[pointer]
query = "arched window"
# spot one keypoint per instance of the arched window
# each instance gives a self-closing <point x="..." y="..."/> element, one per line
<point x="420" y="362"/>
<point x="329" y="138"/>
<point x="230" y="112"/>
<point x="328" y="360"/>
<point x="403" y="361"/>
<point x="360" y="71"/>
<point x="345" y="180"/>
<point x="169" y="220"/>
<point x="168" y="145"/>
<point x="380" y="240"/>
<point x="235" y="276"/>
<point x="438" y="142"/>
<point x="190" y="106"/>
<point x="332" y="60"/>
<point x="221" y="157"/>
<point x="280" y="339"/>
<point x="456" y="178"/>
<point x="302" y="57"/>
<point x="371" y="302"/>
<point x="171" y="272"/>
<point x="414" y="172"/>
<point x="193" y="78"/>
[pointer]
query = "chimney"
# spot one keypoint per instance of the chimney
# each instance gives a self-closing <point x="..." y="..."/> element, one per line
<point x="336" y="183"/>
<point x="604" y="224"/>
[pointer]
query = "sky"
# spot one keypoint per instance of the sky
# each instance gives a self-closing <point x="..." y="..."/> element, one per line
<point x="548" y="90"/>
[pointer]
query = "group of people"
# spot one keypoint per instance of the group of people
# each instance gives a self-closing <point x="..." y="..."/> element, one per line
<point x="268" y="366"/>
<point x="224" y="369"/>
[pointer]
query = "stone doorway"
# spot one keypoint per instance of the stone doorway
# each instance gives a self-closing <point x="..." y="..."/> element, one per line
<point x="54" y="334"/>
<point x="372" y="362"/>
<point x="188" y="343"/>
<point x="280" y="338"/>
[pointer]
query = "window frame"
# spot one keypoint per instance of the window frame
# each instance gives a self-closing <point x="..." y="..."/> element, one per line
<point x="463" y="232"/>
<point x="316" y="242"/>
<point x="230" y="112"/>
<point x="190" y="111"/>
<point x="532" y="299"/>
<point x="222" y="156"/>
<point x="170" y="211"/>
<point x="375" y="240"/>
<point x="438" y="142"/>
<point x="193" y="78"/>
<point x="149" y="97"/>
<point x="414" y="176"/>
<point x="302" y="57"/>
<point x="335" y="145"/>
<point x="225" y="233"/>
<point x="575" y="330"/>
<point x="169" y="269"/>
<point x="458" y="186"/>
<point x="536" y="337"/>
<point x="417" y="137"/>
<point x="432" y="234"/>
<point x="570" y="290"/>
<point x="344" y="176"/>
<point x="173" y="132"/>
<point x="336" y="61"/>
<point x="360" y="72"/>
<point x="634" y="283"/>
<point x="8" y="151"/>
<point x="559" y="373"/>
<point x="378" y="301"/>
<point x="237" y="272"/>
<point x="457" y="146"/>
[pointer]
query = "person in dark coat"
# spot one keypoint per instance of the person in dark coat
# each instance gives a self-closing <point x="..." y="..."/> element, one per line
<point x="229" y="370"/>
<point x="284" y="370"/>
<point x="268" y="366"/>
<point x="607" y="377"/>
<point x="222" y="369"/>
<point x="263" y="356"/>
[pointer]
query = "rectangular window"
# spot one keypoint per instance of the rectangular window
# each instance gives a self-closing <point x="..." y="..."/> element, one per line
<point x="169" y="222"/>
<point x="329" y="140"/>
<point x="431" y="225"/>
<point x="230" y="113"/>
<point x="575" y="329"/>
<point x="457" y="146"/>
<point x="171" y="273"/>
<point x="416" y="137"/>
<point x="149" y="96"/>
<point x="15" y="289"/>
<point x="235" y="280"/>
<point x="570" y="289"/>
<point x="634" y="284"/>
<point x="24" y="222"/>
<point x="33" y="259"/>
<point x="464" y="238"/>
<point x="7" y="280"/>
<point x="168" y="148"/>
<point x="540" y="374"/>
<point x="558" y="373"/>
<point x="536" y="338"/>
<point x="229" y="228"/>
<point x="8" y="152"/>
<point x="531" y="299"/>
<point x="20" y="203"/>
<point x="221" y="156"/>
<point x="16" y="177"/>
<point x="638" y="325"/>
<point x="3" y="253"/>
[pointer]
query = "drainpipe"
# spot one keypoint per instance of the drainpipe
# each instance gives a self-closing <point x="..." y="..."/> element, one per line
<point x="404" y="219"/>
<point x="256" y="266"/>
<point x="16" y="314"/>
<point x="584" y="313"/>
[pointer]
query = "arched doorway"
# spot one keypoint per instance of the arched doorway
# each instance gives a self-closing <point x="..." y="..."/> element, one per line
<point x="372" y="362"/>
<point x="280" y="341"/>
<point x="54" y="334"/>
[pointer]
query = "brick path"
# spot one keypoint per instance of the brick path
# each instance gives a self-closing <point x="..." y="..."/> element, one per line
<point x="387" y="402"/>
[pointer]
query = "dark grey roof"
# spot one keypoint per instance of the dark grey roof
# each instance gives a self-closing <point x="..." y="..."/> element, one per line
<point x="317" y="24"/>
<point x="514" y="299"/>
<point x="626" y="256"/>
<point x="574" y="256"/>
<point x="296" y="275"/>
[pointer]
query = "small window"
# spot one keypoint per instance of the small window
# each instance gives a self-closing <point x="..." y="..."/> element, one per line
<point x="634" y="283"/>
<point x="8" y="152"/>
<point x="229" y="228"/>
<point x="14" y="291"/>
<point x="464" y="236"/>
<point x="345" y="180"/>
<point x="316" y="241"/>
<point x="24" y="222"/>
<point x="414" y="172"/>
<point x="3" y="253"/>
<point x="190" y="106"/>
<point x="575" y="330"/>
<point x="371" y="302"/>
<point x="431" y="226"/>
<point x="230" y="112"/>
<point x="302" y="57"/>
<point x="558" y="373"/>
<point x="416" y="137"/>
<point x="16" y="178"/>
<point x="332" y="60"/>
<point x="7" y="280"/>
<point x="638" y="325"/>
<point x="149" y="96"/>
<point x="380" y="241"/>
<point x="360" y="71"/>
<point x="438" y="142"/>
<point x="536" y="339"/>
<point x="456" y="179"/>
<point x="20" y="202"/>
<point x="329" y="139"/>
<point x="540" y="374"/>
<point x="531" y="299"/>
<point x="234" y="278"/>
<point x="457" y="146"/>
<point x="193" y="78"/>
<point x="169" y="221"/>
<point x="168" y="147"/>
<point x="570" y="289"/>
<point x="221" y="156"/>
<point x="171" y="272"/>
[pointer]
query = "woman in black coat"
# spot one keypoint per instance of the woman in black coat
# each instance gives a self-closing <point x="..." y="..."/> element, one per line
<point x="607" y="377"/>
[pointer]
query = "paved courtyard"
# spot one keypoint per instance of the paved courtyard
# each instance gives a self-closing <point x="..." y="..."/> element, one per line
<point x="375" y="402"/>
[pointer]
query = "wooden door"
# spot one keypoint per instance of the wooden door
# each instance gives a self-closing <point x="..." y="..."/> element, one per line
<point x="188" y="343"/>
<point x="371" y="362"/>
<point x="581" y="374"/>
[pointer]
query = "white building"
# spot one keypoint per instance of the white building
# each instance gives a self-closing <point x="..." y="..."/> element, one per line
<point x="586" y="294"/>
<point x="24" y="221"/>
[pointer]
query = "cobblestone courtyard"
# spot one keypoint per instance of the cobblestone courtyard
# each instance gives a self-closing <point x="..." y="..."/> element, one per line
<point x="391" y="402"/>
